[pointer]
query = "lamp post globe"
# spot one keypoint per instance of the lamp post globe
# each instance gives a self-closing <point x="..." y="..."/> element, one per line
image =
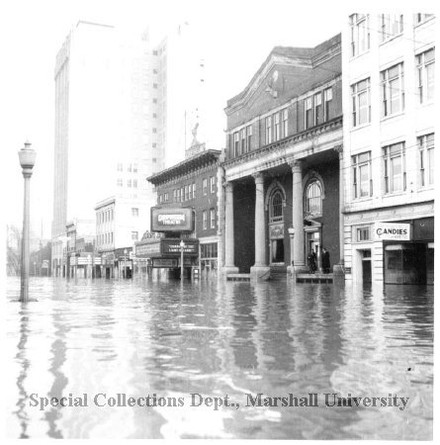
<point x="27" y="158"/>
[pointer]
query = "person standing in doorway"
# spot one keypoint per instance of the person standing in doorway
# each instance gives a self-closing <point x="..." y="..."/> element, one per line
<point x="325" y="260"/>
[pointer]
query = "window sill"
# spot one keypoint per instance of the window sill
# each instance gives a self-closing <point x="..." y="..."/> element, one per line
<point x="360" y="127"/>
<point x="353" y="58"/>
<point x="395" y="194"/>
<point x="424" y="22"/>
<point x="391" y="38"/>
<point x="392" y="116"/>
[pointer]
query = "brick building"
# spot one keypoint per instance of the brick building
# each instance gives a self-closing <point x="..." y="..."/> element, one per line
<point x="282" y="167"/>
<point x="193" y="183"/>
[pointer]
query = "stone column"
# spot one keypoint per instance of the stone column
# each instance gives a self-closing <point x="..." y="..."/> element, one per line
<point x="229" y="266"/>
<point x="297" y="216"/>
<point x="260" y="269"/>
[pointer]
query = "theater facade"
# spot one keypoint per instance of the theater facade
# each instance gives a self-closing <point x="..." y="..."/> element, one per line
<point x="282" y="170"/>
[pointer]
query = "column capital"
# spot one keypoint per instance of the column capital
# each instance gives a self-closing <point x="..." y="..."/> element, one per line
<point x="340" y="150"/>
<point x="295" y="164"/>
<point x="229" y="186"/>
<point x="259" y="177"/>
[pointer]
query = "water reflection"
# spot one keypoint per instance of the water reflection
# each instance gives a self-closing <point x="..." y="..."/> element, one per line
<point x="153" y="336"/>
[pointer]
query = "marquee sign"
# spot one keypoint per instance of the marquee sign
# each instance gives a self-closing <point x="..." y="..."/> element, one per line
<point x="392" y="231"/>
<point x="172" y="219"/>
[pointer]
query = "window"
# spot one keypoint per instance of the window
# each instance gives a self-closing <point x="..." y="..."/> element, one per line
<point x="328" y="96"/>
<point x="249" y="137"/>
<point x="360" y="34"/>
<point x="236" y="143"/>
<point x="276" y="207"/>
<point x="135" y="183"/>
<point x="243" y="141"/>
<point x="362" y="177"/>
<point x="135" y="168"/>
<point x="154" y="130"/>
<point x="129" y="183"/>
<point x="119" y="167"/>
<point x="178" y="195"/>
<point x="285" y="123"/>
<point x="134" y="211"/>
<point x="187" y="193"/>
<point x="119" y="182"/>
<point x="212" y="184"/>
<point x="212" y="218"/>
<point x="390" y="25"/>
<point x="194" y="190"/>
<point x="205" y="219"/>
<point x="160" y="199"/>
<point x="313" y="199"/>
<point x="420" y="18"/>
<point x="182" y="193"/>
<point x="363" y="234"/>
<point x="166" y="197"/>
<point x="393" y="93"/>
<point x="426" y="75"/>
<point x="208" y="250"/>
<point x="361" y="107"/>
<point x="129" y="167"/>
<point x="268" y="130"/>
<point x="205" y="186"/>
<point x="308" y="103"/>
<point x="154" y="85"/>
<point x="394" y="168"/>
<point x="277" y="128"/>
<point x="134" y="235"/>
<point x="318" y="107"/>
<point x="426" y="153"/>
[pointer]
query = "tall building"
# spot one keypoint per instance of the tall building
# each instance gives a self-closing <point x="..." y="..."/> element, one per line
<point x="389" y="120"/>
<point x="106" y="125"/>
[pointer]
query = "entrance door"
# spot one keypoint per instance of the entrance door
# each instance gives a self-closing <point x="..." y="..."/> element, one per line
<point x="277" y="251"/>
<point x="366" y="267"/>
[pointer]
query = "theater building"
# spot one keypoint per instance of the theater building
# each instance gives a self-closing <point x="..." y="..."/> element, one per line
<point x="282" y="164"/>
<point x="388" y="66"/>
<point x="193" y="183"/>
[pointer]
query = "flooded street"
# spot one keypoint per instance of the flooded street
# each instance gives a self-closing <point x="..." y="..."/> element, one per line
<point x="147" y="337"/>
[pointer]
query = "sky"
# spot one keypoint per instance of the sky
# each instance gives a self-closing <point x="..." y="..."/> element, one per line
<point x="238" y="34"/>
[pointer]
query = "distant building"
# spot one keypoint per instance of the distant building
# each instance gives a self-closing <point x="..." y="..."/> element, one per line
<point x="194" y="183"/>
<point x="119" y="224"/>
<point x="282" y="170"/>
<point x="79" y="253"/>
<point x="388" y="74"/>
<point x="106" y="124"/>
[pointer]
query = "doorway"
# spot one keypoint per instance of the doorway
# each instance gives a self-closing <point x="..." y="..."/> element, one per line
<point x="366" y="267"/>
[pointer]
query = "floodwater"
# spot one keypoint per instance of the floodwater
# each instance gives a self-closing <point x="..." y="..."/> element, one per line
<point x="210" y="342"/>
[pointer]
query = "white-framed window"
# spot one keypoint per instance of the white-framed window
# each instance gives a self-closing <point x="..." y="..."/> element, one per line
<point x="129" y="183"/>
<point x="205" y="219"/>
<point x="285" y="114"/>
<point x="313" y="199"/>
<point x="135" y="168"/>
<point x="426" y="75"/>
<point x="328" y="97"/>
<point x="360" y="34"/>
<point x="205" y="186"/>
<point x="119" y="167"/>
<point x="268" y="130"/>
<point x="394" y="168"/>
<point x="166" y="197"/>
<point x="119" y="182"/>
<point x="178" y="195"/>
<point x="393" y="90"/>
<point x="212" y="184"/>
<point x="187" y="197"/>
<point x="362" y="175"/>
<point x="134" y="211"/>
<point x="426" y="156"/>
<point x="212" y="218"/>
<point x="243" y="141"/>
<point x="277" y="126"/>
<point x="390" y="25"/>
<point x="363" y="234"/>
<point x="276" y="210"/>
<point x="361" y="106"/>
<point x="134" y="235"/>
<point x="249" y="137"/>
<point x="194" y="190"/>
<point x="317" y="102"/>
<point x="308" y="112"/>
<point x="182" y="193"/>
<point x="135" y="183"/>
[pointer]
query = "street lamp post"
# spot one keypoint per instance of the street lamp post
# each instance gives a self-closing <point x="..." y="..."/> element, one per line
<point x="182" y="246"/>
<point x="124" y="272"/>
<point x="27" y="161"/>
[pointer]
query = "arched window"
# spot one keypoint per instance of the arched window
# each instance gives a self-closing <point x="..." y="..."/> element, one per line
<point x="276" y="207"/>
<point x="313" y="199"/>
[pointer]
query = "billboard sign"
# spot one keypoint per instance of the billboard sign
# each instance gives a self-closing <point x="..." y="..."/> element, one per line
<point x="172" y="219"/>
<point x="172" y="247"/>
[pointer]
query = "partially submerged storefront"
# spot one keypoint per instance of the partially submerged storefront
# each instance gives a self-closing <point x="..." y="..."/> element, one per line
<point x="397" y="252"/>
